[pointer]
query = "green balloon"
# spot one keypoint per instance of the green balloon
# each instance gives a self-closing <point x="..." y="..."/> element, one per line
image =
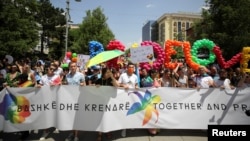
<point x="65" y="65"/>
<point x="74" y="55"/>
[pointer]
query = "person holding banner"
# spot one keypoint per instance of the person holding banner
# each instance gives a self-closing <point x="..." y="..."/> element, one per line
<point x="74" y="78"/>
<point x="128" y="80"/>
<point x="146" y="80"/>
<point x="182" y="78"/>
<point x="155" y="75"/>
<point x="168" y="79"/>
<point x="22" y="82"/>
<point x="223" y="82"/>
<point x="244" y="81"/>
<point x="11" y="79"/>
<point x="107" y="79"/>
<point x="31" y="76"/>
<point x="203" y="80"/>
<point x="49" y="79"/>
<point x="152" y="80"/>
<point x="58" y="70"/>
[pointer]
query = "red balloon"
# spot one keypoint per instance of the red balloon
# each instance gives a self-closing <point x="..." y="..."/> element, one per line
<point x="68" y="54"/>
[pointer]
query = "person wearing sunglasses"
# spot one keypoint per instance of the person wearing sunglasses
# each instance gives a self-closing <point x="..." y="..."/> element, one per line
<point x="49" y="79"/>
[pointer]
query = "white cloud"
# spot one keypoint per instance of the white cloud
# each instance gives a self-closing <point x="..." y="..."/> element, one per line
<point x="149" y="6"/>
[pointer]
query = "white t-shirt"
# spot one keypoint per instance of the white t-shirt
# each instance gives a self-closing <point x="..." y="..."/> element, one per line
<point x="50" y="80"/>
<point x="203" y="82"/>
<point x="58" y="71"/>
<point x="225" y="83"/>
<point x="128" y="80"/>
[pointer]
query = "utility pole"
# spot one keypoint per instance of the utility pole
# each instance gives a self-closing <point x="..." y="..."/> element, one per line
<point x="67" y="16"/>
<point x="67" y="26"/>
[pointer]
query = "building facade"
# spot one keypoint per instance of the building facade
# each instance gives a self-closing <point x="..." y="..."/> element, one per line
<point x="173" y="26"/>
<point x="150" y="31"/>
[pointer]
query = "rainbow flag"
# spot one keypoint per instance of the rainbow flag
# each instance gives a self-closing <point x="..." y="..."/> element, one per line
<point x="26" y="84"/>
<point x="56" y="81"/>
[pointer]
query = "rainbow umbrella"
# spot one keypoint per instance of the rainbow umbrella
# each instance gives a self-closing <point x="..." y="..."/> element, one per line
<point x="103" y="57"/>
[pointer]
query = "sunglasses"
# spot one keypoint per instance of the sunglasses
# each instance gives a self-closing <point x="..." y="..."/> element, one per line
<point x="52" y="69"/>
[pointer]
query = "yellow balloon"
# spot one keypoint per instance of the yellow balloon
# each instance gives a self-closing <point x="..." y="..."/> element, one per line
<point x="134" y="45"/>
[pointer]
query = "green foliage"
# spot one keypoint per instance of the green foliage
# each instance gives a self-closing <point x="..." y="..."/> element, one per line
<point x="21" y="21"/>
<point x="93" y="28"/>
<point x="227" y="24"/>
<point x="52" y="23"/>
<point x="18" y="27"/>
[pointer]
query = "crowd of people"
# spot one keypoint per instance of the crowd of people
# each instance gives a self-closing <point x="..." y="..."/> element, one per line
<point x="39" y="74"/>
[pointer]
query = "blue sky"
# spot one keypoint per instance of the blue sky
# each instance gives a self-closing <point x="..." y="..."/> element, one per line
<point x="126" y="17"/>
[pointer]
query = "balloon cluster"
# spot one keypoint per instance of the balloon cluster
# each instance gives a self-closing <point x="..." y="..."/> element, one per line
<point x="70" y="57"/>
<point x="169" y="51"/>
<point x="188" y="56"/>
<point x="114" y="45"/>
<point x="159" y="53"/>
<point x="195" y="62"/>
<point x="221" y="61"/>
<point x="95" y="48"/>
<point x="245" y="59"/>
<point x="204" y="43"/>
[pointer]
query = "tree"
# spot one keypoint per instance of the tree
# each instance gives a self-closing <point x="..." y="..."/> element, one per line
<point x="93" y="28"/>
<point x="18" y="27"/>
<point x="49" y="18"/>
<point x="227" y="24"/>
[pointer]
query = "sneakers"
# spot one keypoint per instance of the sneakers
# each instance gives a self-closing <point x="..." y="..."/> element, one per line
<point x="56" y="131"/>
<point x="70" y="137"/>
<point x="43" y="137"/>
<point x="123" y="133"/>
<point x="76" y="139"/>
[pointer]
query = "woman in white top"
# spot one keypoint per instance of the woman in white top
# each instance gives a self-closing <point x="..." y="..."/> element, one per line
<point x="223" y="82"/>
<point x="168" y="79"/>
<point x="181" y="78"/>
<point x="49" y="79"/>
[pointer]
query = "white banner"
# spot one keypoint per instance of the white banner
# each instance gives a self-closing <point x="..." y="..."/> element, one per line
<point x="107" y="108"/>
<point x="142" y="54"/>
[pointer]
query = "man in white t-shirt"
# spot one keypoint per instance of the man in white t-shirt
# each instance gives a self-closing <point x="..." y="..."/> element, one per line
<point x="203" y="80"/>
<point x="128" y="80"/>
<point x="223" y="82"/>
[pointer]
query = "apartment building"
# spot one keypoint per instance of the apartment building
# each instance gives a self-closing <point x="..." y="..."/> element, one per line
<point x="171" y="26"/>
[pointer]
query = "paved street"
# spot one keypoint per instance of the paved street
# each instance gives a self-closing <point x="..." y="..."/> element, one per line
<point x="132" y="135"/>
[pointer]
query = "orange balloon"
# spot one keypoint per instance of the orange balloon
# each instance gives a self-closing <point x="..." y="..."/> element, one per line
<point x="74" y="59"/>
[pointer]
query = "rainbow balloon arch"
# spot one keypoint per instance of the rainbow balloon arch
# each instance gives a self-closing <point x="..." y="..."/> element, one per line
<point x="164" y="56"/>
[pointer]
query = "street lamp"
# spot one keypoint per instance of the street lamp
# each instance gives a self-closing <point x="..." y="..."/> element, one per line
<point x="67" y="16"/>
